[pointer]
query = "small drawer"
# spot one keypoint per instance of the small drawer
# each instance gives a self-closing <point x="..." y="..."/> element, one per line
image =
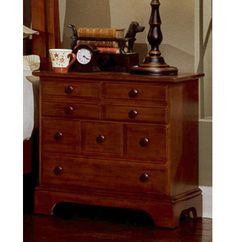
<point x="102" y="138"/>
<point x="100" y="174"/>
<point x="60" y="135"/>
<point x="139" y="114"/>
<point x="146" y="142"/>
<point x="72" y="109"/>
<point x="135" y="91"/>
<point x="70" y="88"/>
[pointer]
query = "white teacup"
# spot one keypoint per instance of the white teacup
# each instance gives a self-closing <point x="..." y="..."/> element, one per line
<point x="61" y="59"/>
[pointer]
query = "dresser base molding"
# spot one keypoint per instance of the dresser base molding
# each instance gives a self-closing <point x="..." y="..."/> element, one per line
<point x="165" y="211"/>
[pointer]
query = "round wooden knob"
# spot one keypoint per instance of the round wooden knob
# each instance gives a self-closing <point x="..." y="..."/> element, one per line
<point x="144" y="177"/>
<point x="133" y="114"/>
<point x="144" y="142"/>
<point x="100" y="139"/>
<point x="133" y="93"/>
<point x="69" y="109"/>
<point x="58" y="135"/>
<point x="69" y="89"/>
<point x="58" y="170"/>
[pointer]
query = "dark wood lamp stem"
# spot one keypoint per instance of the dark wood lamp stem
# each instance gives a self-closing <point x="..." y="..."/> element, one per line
<point x="154" y="63"/>
<point x="155" y="35"/>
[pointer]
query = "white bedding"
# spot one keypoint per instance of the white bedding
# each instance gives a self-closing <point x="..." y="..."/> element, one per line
<point x="30" y="95"/>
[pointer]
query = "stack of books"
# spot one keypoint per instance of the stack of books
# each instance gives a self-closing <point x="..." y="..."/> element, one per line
<point x="103" y="38"/>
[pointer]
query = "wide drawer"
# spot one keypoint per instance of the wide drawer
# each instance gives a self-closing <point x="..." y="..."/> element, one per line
<point x="71" y="109"/>
<point x="102" y="138"/>
<point x="146" y="142"/>
<point x="93" y="173"/>
<point x="135" y="91"/>
<point x="69" y="88"/>
<point x="136" y="113"/>
<point x="60" y="135"/>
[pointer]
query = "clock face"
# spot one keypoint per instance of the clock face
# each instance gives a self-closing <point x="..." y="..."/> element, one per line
<point x="84" y="56"/>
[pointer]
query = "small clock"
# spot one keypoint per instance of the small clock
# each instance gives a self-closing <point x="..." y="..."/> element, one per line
<point x="86" y="58"/>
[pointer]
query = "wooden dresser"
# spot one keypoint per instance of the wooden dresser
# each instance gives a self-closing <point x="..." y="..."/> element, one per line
<point x="120" y="140"/>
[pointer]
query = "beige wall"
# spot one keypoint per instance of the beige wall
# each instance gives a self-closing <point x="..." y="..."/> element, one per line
<point x="180" y="46"/>
<point x="207" y="14"/>
<point x="205" y="152"/>
<point x="177" y="27"/>
<point x="206" y="67"/>
<point x="85" y="13"/>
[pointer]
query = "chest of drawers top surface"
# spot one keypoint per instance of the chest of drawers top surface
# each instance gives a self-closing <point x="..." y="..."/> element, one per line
<point x="118" y="76"/>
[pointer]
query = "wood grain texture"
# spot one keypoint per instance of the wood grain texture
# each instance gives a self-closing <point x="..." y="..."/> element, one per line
<point x="60" y="134"/>
<point x="132" y="147"/>
<point x="136" y="113"/>
<point x="27" y="156"/>
<point x="119" y="76"/>
<point x="99" y="174"/>
<point x="135" y="91"/>
<point x="45" y="19"/>
<point x="70" y="109"/>
<point x="155" y="148"/>
<point x="71" y="89"/>
<point x="110" y="134"/>
<point x="184" y="137"/>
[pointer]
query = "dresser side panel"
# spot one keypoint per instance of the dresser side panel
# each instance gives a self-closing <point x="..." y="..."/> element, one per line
<point x="183" y="137"/>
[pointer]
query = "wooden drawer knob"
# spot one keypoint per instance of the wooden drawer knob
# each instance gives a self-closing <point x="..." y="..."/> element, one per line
<point x="69" y="89"/>
<point x="69" y="109"/>
<point x="58" y="170"/>
<point x="144" y="142"/>
<point x="58" y="135"/>
<point x="133" y="93"/>
<point x="144" y="177"/>
<point x="133" y="114"/>
<point x="100" y="139"/>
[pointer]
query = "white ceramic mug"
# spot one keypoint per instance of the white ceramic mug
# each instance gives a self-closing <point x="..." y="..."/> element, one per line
<point x="61" y="59"/>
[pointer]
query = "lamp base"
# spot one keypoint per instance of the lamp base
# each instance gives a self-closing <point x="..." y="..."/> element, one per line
<point x="154" y="65"/>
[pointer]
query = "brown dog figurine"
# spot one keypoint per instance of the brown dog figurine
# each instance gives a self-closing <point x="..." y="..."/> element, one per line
<point x="133" y="29"/>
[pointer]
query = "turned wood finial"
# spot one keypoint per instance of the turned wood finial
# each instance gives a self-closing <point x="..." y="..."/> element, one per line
<point x="154" y="63"/>
<point x="155" y="35"/>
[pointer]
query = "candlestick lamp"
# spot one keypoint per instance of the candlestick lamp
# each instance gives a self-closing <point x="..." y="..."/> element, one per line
<point x="154" y="63"/>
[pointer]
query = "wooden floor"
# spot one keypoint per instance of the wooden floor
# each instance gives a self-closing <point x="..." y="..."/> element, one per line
<point x="92" y="224"/>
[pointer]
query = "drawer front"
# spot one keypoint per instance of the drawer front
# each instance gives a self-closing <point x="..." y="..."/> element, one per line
<point x="132" y="113"/>
<point x="94" y="173"/>
<point x="60" y="135"/>
<point x="146" y="142"/>
<point x="71" y="109"/>
<point x="70" y="89"/>
<point x="102" y="138"/>
<point x="135" y="91"/>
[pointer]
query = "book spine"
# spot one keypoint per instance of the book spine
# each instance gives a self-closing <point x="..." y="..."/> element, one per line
<point x="98" y="43"/>
<point x="120" y="33"/>
<point x="109" y="50"/>
<point x="100" y="32"/>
